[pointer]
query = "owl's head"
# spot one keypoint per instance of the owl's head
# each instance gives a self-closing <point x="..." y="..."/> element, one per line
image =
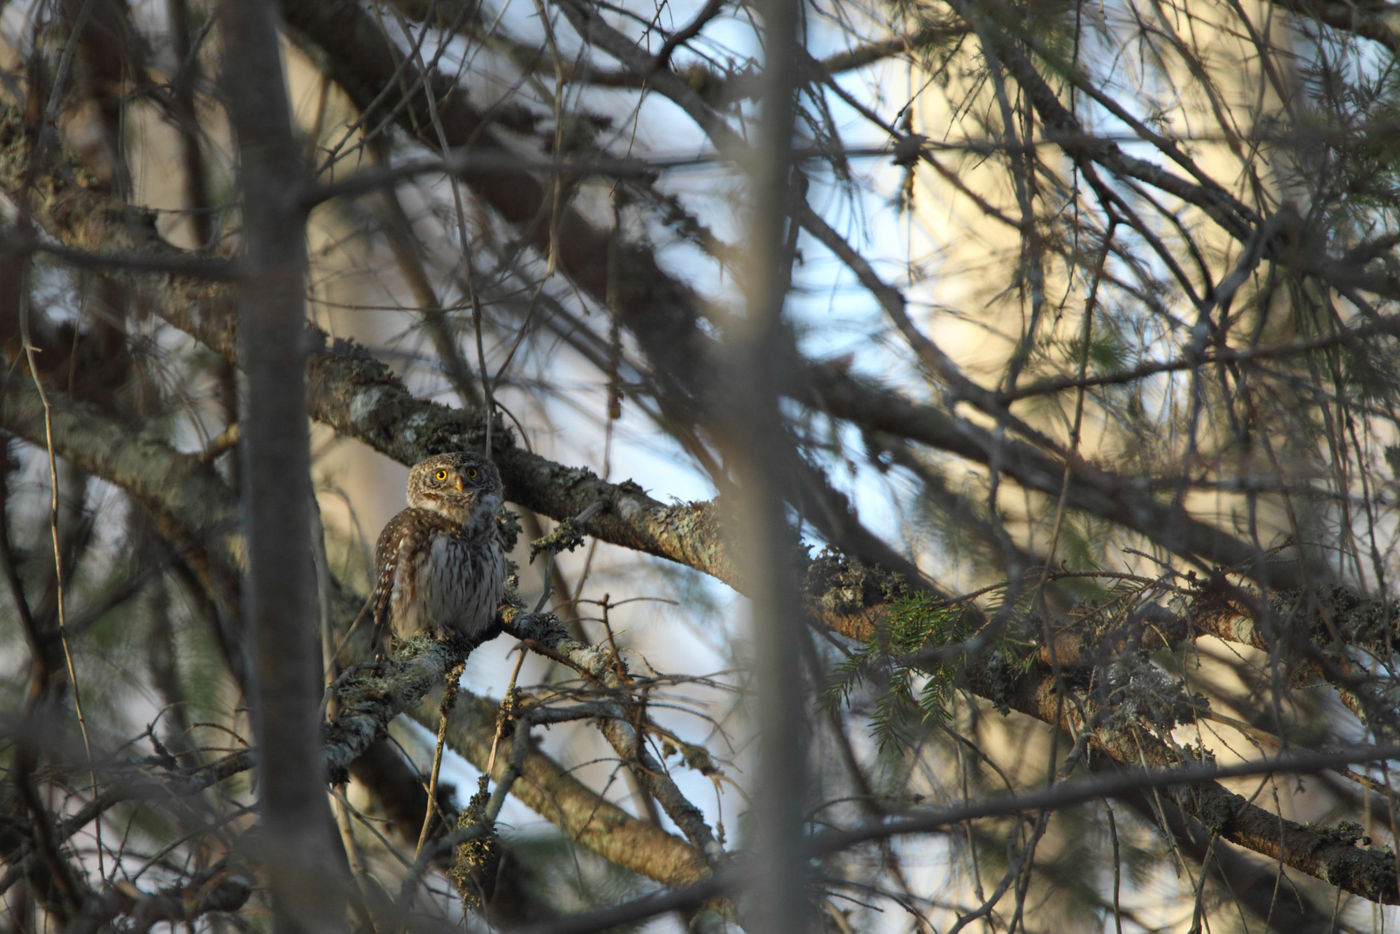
<point x="457" y="486"/>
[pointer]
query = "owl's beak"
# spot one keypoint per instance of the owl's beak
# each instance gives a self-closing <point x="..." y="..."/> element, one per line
<point x="460" y="486"/>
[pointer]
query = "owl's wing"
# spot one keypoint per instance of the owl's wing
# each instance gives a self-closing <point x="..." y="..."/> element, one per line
<point x="388" y="552"/>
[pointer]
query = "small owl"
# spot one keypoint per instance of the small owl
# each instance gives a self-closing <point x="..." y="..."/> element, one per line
<point x="439" y="564"/>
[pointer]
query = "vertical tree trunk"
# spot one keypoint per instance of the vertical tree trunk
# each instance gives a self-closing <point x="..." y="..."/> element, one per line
<point x="758" y="452"/>
<point x="279" y="604"/>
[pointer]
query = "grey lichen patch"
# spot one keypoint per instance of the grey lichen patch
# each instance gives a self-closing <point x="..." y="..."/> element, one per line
<point x="630" y="500"/>
<point x="1363" y="619"/>
<point x="998" y="679"/>
<point x="1349" y="616"/>
<point x="687" y="532"/>
<point x="628" y="508"/>
<point x="838" y="584"/>
<point x="350" y="389"/>
<point x="508" y="523"/>
<point x="544" y="630"/>
<point x="1141" y="691"/>
<point x="370" y="696"/>
<point x="366" y="408"/>
<point x="689" y="520"/>
<point x="566" y="536"/>
<point x="597" y="660"/>
<point x="414" y="427"/>
<point x="571" y="477"/>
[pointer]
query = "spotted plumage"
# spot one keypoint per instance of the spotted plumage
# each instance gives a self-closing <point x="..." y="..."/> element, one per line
<point x="439" y="564"/>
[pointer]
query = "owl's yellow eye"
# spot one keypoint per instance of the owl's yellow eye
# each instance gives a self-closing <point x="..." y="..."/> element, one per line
<point x="440" y="475"/>
<point x="471" y="473"/>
